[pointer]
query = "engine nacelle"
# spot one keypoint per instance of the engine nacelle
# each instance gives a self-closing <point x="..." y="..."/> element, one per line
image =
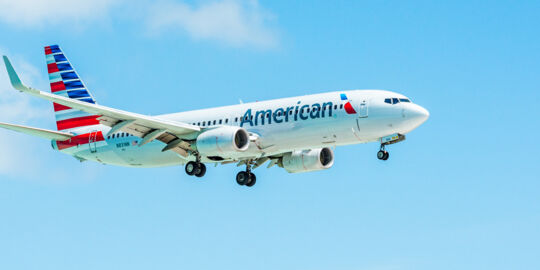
<point x="222" y="141"/>
<point x="308" y="160"/>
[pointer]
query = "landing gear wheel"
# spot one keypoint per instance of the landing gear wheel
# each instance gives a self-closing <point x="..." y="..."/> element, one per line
<point x="386" y="155"/>
<point x="252" y="180"/>
<point x="381" y="154"/>
<point x="202" y="170"/>
<point x="242" y="178"/>
<point x="191" y="168"/>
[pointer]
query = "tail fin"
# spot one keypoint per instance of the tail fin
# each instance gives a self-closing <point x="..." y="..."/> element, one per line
<point x="66" y="82"/>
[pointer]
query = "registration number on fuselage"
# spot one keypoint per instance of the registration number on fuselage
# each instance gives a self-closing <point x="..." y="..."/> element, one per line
<point x="122" y="145"/>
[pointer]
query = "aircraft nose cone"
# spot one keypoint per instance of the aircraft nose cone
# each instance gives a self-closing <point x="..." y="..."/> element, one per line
<point x="417" y="114"/>
<point x="422" y="113"/>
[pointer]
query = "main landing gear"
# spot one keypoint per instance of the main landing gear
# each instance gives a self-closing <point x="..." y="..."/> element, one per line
<point x="246" y="178"/>
<point x="382" y="154"/>
<point x="195" y="168"/>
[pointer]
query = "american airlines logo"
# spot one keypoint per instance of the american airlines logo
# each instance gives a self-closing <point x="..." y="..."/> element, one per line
<point x="293" y="113"/>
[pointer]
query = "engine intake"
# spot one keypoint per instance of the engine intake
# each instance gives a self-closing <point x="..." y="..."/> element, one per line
<point x="223" y="141"/>
<point x="308" y="160"/>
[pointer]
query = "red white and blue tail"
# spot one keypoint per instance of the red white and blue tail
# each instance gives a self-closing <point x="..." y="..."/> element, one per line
<point x="66" y="82"/>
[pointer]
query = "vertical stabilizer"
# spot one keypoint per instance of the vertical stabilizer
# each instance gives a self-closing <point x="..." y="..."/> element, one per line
<point x="66" y="82"/>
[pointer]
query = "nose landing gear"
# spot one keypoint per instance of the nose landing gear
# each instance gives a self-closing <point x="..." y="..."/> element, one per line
<point x="387" y="140"/>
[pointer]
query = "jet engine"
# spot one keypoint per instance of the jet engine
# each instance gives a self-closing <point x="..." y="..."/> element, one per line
<point x="308" y="160"/>
<point x="222" y="141"/>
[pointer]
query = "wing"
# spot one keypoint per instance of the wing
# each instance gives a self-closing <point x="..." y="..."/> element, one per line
<point x="147" y="127"/>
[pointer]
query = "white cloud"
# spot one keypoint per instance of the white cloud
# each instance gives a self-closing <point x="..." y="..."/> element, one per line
<point x="237" y="23"/>
<point x="232" y="22"/>
<point x="32" y="13"/>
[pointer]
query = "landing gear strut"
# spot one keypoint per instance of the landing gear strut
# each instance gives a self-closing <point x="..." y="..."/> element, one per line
<point x="382" y="154"/>
<point x="246" y="178"/>
<point x="196" y="168"/>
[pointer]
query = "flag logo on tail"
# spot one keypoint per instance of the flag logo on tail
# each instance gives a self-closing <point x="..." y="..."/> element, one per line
<point x="66" y="82"/>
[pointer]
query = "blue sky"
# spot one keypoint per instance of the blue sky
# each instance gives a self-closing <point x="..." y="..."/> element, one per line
<point x="462" y="192"/>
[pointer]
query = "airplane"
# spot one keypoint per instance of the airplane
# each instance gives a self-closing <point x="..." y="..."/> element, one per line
<point x="296" y="133"/>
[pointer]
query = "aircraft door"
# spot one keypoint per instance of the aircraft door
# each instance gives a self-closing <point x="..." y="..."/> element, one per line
<point x="363" y="109"/>
<point x="92" y="142"/>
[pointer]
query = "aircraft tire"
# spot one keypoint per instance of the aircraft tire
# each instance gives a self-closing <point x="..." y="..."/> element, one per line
<point x="202" y="170"/>
<point x="191" y="168"/>
<point x="242" y="178"/>
<point x="381" y="154"/>
<point x="386" y="155"/>
<point x="252" y="180"/>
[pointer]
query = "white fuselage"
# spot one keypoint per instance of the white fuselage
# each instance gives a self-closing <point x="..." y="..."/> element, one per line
<point x="279" y="126"/>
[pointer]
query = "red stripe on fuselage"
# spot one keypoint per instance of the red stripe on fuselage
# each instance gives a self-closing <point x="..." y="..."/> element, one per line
<point x="57" y="86"/>
<point x="80" y="139"/>
<point x="60" y="107"/>
<point x="78" y="122"/>
<point x="52" y="68"/>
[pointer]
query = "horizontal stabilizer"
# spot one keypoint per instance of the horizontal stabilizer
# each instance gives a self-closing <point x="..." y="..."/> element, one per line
<point x="47" y="134"/>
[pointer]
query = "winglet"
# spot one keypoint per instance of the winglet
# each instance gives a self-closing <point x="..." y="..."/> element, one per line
<point x="13" y="77"/>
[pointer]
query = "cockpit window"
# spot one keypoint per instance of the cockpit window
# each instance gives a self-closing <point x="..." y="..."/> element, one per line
<point x="396" y="100"/>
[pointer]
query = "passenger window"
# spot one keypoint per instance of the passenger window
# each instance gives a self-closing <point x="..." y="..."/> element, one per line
<point x="340" y="106"/>
<point x="389" y="101"/>
<point x="226" y="120"/>
<point x="395" y="100"/>
<point x="220" y="121"/>
<point x="236" y="119"/>
<point x="203" y="124"/>
<point x="214" y="122"/>
<point x="335" y="107"/>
